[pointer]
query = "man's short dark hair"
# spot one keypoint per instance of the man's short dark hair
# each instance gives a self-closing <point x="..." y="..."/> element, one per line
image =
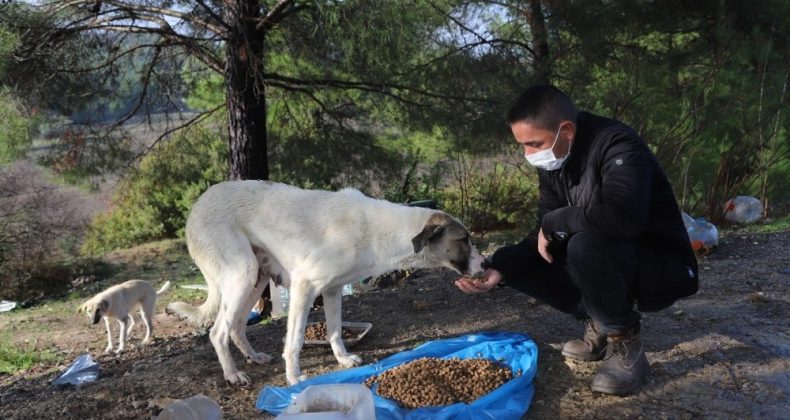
<point x="543" y="106"/>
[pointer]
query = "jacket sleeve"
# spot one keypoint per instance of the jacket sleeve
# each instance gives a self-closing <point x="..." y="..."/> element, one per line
<point x="626" y="177"/>
<point x="548" y="199"/>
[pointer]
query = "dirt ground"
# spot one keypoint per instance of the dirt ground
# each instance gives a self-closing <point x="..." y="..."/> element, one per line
<point x="723" y="353"/>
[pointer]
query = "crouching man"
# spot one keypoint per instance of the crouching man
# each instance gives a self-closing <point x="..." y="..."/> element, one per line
<point x="610" y="240"/>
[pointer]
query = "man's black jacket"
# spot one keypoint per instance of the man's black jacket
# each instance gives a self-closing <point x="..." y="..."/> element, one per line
<point x="612" y="185"/>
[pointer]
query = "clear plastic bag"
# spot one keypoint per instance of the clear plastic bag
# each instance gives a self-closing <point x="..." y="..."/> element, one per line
<point x="84" y="369"/>
<point x="196" y="407"/>
<point x="704" y="236"/>
<point x="743" y="209"/>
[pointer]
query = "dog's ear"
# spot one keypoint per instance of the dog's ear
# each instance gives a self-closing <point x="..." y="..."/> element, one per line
<point x="429" y="232"/>
<point x="99" y="310"/>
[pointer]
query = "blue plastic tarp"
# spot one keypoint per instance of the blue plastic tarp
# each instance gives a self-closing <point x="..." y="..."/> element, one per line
<point x="509" y="401"/>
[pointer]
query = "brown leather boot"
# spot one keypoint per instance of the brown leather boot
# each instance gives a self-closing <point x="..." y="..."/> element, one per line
<point x="625" y="365"/>
<point x="590" y="348"/>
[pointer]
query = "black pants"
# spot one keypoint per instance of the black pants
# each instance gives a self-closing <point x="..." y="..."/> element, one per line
<point x="590" y="276"/>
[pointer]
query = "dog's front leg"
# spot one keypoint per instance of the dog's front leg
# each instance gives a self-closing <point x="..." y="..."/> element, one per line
<point x="109" y="335"/>
<point x="333" y="303"/>
<point x="302" y="298"/>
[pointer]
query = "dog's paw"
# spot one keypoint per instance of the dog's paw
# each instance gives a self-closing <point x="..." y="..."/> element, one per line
<point x="350" y="360"/>
<point x="107" y="350"/>
<point x="295" y="379"/>
<point x="148" y="340"/>
<point x="238" y="378"/>
<point x="259" y="358"/>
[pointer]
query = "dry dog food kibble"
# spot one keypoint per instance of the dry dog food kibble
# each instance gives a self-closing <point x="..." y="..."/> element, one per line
<point x="434" y="382"/>
<point x="317" y="332"/>
<point x="478" y="279"/>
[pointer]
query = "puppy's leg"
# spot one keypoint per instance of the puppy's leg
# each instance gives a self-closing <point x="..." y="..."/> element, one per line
<point x="238" y="332"/>
<point x="302" y="296"/>
<point x="131" y="325"/>
<point x="109" y="335"/>
<point x="146" y="313"/>
<point x="334" y="332"/>
<point x="124" y="322"/>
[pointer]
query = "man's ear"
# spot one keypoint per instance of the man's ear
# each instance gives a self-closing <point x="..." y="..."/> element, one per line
<point x="569" y="130"/>
<point x="429" y="232"/>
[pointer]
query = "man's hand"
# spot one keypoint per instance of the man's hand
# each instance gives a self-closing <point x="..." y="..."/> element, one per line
<point x="543" y="247"/>
<point x="469" y="285"/>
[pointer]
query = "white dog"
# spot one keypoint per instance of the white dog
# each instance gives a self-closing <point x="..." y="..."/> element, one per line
<point x="241" y="233"/>
<point x="118" y="303"/>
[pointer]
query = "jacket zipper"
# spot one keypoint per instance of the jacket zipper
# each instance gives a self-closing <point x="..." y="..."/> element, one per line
<point x="565" y="187"/>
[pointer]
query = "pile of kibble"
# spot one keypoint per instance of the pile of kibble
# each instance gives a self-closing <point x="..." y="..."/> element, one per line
<point x="317" y="332"/>
<point x="435" y="382"/>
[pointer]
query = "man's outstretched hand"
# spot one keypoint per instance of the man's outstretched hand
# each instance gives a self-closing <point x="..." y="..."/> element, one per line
<point x="483" y="284"/>
<point x="543" y="247"/>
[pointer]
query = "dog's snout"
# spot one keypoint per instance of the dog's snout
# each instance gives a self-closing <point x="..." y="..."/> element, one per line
<point x="476" y="264"/>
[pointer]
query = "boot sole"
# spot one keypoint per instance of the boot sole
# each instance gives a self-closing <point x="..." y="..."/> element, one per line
<point x="584" y="357"/>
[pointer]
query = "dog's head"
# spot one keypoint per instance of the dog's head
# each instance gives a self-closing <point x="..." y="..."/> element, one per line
<point x="446" y="240"/>
<point x="95" y="309"/>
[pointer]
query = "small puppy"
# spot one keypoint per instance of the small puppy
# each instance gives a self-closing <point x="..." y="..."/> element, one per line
<point x="118" y="302"/>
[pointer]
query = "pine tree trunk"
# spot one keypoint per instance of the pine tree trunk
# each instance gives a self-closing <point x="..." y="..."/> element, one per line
<point x="246" y="101"/>
<point x="540" y="41"/>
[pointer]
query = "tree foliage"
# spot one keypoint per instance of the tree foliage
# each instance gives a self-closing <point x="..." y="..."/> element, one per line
<point x="391" y="96"/>
<point x="14" y="123"/>
<point x="705" y="82"/>
<point x="154" y="201"/>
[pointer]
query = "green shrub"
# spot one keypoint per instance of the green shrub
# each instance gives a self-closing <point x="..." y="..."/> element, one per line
<point x="419" y="182"/>
<point x="14" y="128"/>
<point x="153" y="203"/>
<point x="494" y="198"/>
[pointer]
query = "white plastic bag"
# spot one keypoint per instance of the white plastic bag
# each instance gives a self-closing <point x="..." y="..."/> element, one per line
<point x="331" y="402"/>
<point x="743" y="209"/>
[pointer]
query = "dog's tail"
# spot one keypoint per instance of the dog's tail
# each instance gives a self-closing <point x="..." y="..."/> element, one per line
<point x="202" y="315"/>
<point x="164" y="288"/>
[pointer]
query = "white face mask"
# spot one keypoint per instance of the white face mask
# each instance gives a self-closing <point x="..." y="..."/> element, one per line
<point x="545" y="159"/>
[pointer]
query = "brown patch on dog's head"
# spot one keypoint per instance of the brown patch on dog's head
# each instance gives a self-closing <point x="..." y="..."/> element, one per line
<point x="95" y="310"/>
<point x="448" y="241"/>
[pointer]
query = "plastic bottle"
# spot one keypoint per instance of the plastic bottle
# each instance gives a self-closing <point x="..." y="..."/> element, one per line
<point x="196" y="407"/>
<point x="279" y="296"/>
<point x="348" y="289"/>
<point x="743" y="209"/>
